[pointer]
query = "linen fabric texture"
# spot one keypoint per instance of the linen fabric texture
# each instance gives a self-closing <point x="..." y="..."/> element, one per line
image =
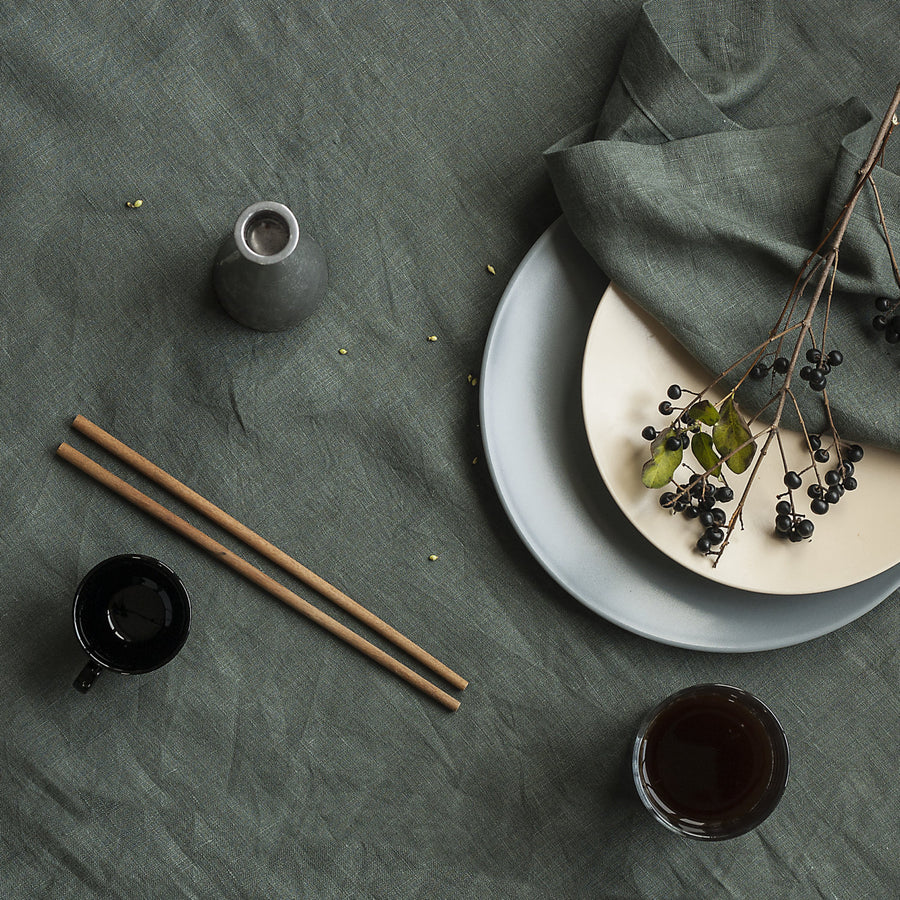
<point x="268" y="760"/>
<point x="701" y="192"/>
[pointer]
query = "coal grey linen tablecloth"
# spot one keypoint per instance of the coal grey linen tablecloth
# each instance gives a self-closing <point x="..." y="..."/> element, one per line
<point x="269" y="760"/>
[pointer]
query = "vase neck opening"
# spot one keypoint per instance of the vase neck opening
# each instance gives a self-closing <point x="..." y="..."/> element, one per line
<point x="266" y="232"/>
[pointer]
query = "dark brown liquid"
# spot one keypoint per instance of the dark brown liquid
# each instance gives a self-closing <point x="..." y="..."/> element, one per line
<point x="707" y="759"/>
<point x="139" y="611"/>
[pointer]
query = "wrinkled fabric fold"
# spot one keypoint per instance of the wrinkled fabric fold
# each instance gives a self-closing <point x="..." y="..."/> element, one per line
<point x="705" y="219"/>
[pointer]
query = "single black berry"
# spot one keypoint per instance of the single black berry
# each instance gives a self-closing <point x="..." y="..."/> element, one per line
<point x="879" y="323"/>
<point x="724" y="494"/>
<point x="805" y="528"/>
<point x="673" y="443"/>
<point x="707" y="518"/>
<point x="667" y="500"/>
<point x="692" y="512"/>
<point x="806" y="373"/>
<point x="759" y="371"/>
<point x="832" y="477"/>
<point x="819" y="507"/>
<point x="783" y="524"/>
<point x="719" y="516"/>
<point x="665" y="408"/>
<point x="792" y="480"/>
<point x="703" y="545"/>
<point x="715" y="535"/>
<point x="783" y="508"/>
<point x="833" y="495"/>
<point x="855" y="453"/>
<point x="781" y="365"/>
<point x="685" y="440"/>
<point x="882" y="304"/>
<point x="850" y="483"/>
<point x="674" y="392"/>
<point x="813" y="354"/>
<point x="815" y="441"/>
<point x="649" y="433"/>
<point x="821" y="456"/>
<point x="814" y="490"/>
<point x="835" y="357"/>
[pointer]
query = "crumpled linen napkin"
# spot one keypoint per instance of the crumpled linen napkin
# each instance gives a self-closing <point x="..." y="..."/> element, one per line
<point x="705" y="222"/>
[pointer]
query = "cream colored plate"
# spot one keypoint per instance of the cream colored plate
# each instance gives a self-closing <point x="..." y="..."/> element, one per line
<point x="630" y="361"/>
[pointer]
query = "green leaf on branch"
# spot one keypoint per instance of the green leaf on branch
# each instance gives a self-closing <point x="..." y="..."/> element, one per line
<point x="703" y="411"/>
<point x="729" y="433"/>
<point x="659" y="469"/>
<point x="702" y="448"/>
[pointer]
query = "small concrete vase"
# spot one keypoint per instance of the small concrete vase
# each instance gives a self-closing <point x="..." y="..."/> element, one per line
<point x="268" y="275"/>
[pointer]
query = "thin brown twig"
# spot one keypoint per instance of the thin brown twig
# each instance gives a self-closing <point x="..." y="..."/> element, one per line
<point x="828" y="300"/>
<point x="884" y="228"/>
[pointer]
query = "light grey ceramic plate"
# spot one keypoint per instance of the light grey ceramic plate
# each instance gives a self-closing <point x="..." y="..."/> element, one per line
<point x="541" y="464"/>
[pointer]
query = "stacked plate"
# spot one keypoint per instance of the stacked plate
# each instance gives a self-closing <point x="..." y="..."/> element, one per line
<point x="572" y="372"/>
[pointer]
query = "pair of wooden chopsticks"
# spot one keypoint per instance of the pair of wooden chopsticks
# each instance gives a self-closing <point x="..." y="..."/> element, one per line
<point x="253" y="540"/>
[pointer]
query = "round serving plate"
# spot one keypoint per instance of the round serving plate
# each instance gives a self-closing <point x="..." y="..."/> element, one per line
<point x="629" y="362"/>
<point x="544" y="472"/>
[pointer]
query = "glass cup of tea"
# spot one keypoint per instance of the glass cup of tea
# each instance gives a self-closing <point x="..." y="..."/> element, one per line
<point x="710" y="762"/>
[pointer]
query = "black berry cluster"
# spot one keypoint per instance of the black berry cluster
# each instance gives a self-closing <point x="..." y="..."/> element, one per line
<point x="837" y="481"/>
<point x="698" y="499"/>
<point x="887" y="321"/>
<point x="791" y="524"/>
<point x="816" y="374"/>
<point x="823" y="494"/>
<point x="695" y="499"/>
<point x="679" y="437"/>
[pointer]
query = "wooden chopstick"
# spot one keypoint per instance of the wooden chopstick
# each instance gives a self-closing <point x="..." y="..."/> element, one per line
<point x="240" y="565"/>
<point x="262" y="546"/>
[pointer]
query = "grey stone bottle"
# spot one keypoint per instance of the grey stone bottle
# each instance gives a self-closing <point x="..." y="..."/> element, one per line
<point x="268" y="275"/>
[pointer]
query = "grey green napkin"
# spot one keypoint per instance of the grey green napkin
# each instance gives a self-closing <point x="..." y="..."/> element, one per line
<point x="701" y="191"/>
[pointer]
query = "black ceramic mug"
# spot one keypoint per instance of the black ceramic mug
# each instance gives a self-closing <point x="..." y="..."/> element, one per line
<point x="132" y="615"/>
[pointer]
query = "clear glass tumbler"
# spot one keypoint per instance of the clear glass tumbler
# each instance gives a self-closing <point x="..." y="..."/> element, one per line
<point x="710" y="762"/>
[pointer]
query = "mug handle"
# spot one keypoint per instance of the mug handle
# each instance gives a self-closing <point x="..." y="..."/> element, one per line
<point x="87" y="676"/>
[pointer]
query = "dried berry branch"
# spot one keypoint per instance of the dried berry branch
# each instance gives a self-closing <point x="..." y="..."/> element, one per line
<point x="730" y="444"/>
